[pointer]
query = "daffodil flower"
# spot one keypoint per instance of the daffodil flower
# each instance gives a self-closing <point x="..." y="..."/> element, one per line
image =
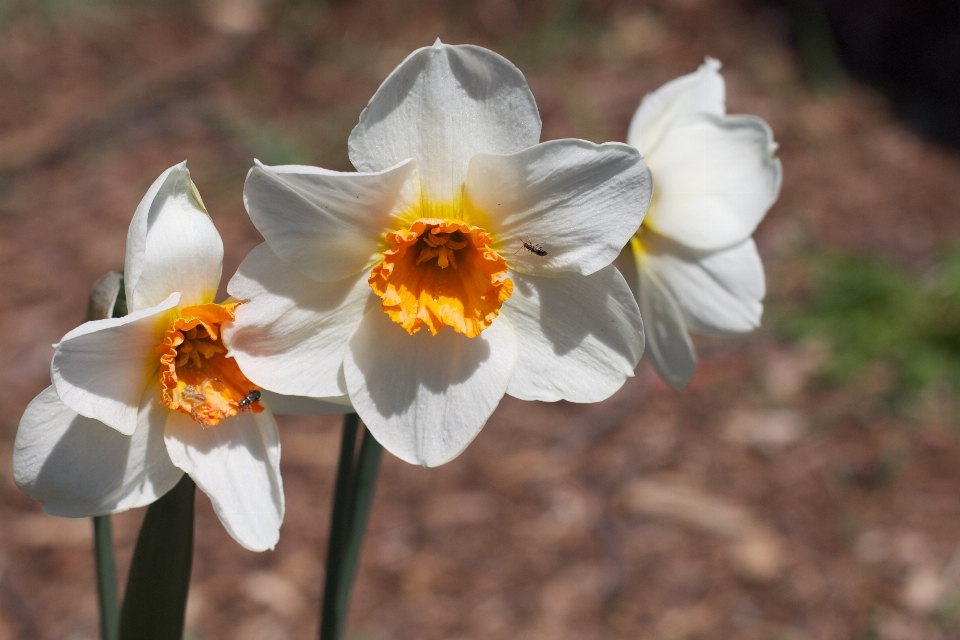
<point x="139" y="400"/>
<point x="693" y="265"/>
<point x="463" y="262"/>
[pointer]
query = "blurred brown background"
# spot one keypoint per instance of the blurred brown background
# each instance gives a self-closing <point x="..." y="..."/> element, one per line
<point x="806" y="486"/>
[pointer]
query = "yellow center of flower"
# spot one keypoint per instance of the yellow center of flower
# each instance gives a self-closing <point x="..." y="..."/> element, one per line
<point x="196" y="376"/>
<point x="441" y="272"/>
<point x="636" y="243"/>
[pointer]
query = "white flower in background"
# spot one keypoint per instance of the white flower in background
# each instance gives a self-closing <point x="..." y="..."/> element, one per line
<point x="693" y="265"/>
<point x="407" y="288"/>
<point x="139" y="400"/>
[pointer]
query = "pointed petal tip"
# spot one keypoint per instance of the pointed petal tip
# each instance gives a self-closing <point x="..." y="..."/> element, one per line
<point x="437" y="44"/>
<point x="237" y="464"/>
<point x="178" y="171"/>
<point x="257" y="547"/>
<point x="711" y="63"/>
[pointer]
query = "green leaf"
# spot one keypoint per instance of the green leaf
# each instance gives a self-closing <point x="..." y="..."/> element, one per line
<point x="156" y="598"/>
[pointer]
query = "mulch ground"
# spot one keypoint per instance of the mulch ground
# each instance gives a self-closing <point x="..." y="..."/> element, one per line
<point x="757" y="504"/>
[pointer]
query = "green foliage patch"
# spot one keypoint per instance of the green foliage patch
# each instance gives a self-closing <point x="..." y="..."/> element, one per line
<point x="871" y="310"/>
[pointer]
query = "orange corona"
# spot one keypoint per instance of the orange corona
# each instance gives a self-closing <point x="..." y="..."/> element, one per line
<point x="196" y="376"/>
<point x="441" y="272"/>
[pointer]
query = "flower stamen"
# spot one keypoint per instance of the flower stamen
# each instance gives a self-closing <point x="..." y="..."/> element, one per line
<point x="441" y="273"/>
<point x="196" y="376"/>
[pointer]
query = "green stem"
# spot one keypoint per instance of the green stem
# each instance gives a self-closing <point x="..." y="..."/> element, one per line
<point x="353" y="496"/>
<point x="106" y="578"/>
<point x="365" y="484"/>
<point x="107" y="300"/>
<point x="155" y="601"/>
<point x="339" y="517"/>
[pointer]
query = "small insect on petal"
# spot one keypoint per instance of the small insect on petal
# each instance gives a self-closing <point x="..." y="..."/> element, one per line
<point x="533" y="248"/>
<point x="196" y="375"/>
<point x="248" y="400"/>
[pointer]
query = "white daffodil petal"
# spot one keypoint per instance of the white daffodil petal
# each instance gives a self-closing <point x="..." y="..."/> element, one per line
<point x="327" y="224"/>
<point x="578" y="337"/>
<point x="441" y="106"/>
<point x="715" y="180"/>
<point x="282" y="405"/>
<point x="292" y="334"/>
<point x="172" y="245"/>
<point x="81" y="467"/>
<point x="101" y="368"/>
<point x="424" y="397"/>
<point x="581" y="201"/>
<point x="237" y="464"/>
<point x="668" y="342"/>
<point x="719" y="292"/>
<point x="702" y="91"/>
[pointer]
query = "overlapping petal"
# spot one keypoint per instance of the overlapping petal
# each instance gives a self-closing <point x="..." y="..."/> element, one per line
<point x="328" y="224"/>
<point x="441" y="106"/>
<point x="693" y="266"/>
<point x="720" y="292"/>
<point x="104" y="439"/>
<point x="172" y="245"/>
<point x="101" y="368"/>
<point x="702" y="91"/>
<point x="237" y="464"/>
<point x="578" y="337"/>
<point x="467" y="118"/>
<point x="292" y="334"/>
<point x="424" y="397"/>
<point x="667" y="340"/>
<point x="716" y="178"/>
<point x="581" y="201"/>
<point x="80" y="467"/>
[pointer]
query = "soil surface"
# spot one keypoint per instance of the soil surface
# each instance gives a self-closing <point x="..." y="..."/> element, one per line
<point x="758" y="504"/>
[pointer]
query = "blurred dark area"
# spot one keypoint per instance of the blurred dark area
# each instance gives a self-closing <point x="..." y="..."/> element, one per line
<point x="908" y="49"/>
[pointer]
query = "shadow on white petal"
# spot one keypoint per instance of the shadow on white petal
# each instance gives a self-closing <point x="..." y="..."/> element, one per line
<point x="583" y="307"/>
<point x="101" y="368"/>
<point x="172" y="245"/>
<point x="423" y="397"/>
<point x="326" y="223"/>
<point x="475" y="77"/>
<point x="237" y="464"/>
<point x="716" y="178"/>
<point x="80" y="467"/>
<point x="583" y="201"/>
<point x="441" y="106"/>
<point x="291" y="335"/>
<point x="395" y="365"/>
<point x="668" y="341"/>
<point x="718" y="292"/>
<point x="282" y="405"/>
<point x="579" y="337"/>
